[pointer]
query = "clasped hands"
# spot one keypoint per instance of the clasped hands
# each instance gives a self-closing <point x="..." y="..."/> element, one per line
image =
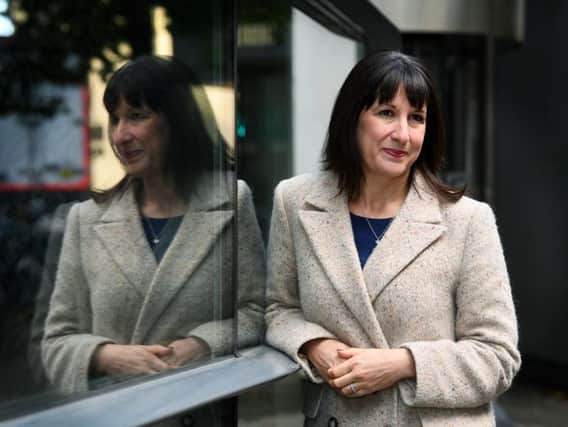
<point x="357" y="372"/>
<point x="117" y="359"/>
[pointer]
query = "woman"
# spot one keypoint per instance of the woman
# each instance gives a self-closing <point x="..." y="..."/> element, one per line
<point x="143" y="282"/>
<point x="393" y="283"/>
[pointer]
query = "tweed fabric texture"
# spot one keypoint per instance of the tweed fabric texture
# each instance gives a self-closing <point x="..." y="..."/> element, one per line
<point x="436" y="284"/>
<point x="109" y="288"/>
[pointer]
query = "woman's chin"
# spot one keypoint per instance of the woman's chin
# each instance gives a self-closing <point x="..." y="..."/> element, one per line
<point x="391" y="172"/>
<point x="134" y="169"/>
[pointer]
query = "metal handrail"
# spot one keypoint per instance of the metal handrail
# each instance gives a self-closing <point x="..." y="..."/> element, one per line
<point x="157" y="399"/>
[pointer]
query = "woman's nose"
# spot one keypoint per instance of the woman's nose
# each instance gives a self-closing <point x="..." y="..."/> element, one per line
<point x="401" y="132"/>
<point x="121" y="133"/>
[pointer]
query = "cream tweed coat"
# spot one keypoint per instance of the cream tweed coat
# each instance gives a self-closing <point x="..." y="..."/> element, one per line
<point x="436" y="284"/>
<point x="109" y="288"/>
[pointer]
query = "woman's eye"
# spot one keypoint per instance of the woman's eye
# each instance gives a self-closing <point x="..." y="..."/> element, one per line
<point x="418" y="118"/>
<point x="136" y="115"/>
<point x="386" y="113"/>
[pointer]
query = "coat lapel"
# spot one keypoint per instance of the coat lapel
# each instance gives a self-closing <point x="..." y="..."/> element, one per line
<point x="417" y="225"/>
<point x="122" y="235"/>
<point x="325" y="219"/>
<point x="209" y="213"/>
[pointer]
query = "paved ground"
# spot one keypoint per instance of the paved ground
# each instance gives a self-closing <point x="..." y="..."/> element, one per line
<point x="534" y="406"/>
<point x="526" y="406"/>
<point x="258" y="407"/>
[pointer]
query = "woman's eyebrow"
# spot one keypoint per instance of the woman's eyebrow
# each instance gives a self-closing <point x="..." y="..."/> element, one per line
<point x="140" y="109"/>
<point x="388" y="104"/>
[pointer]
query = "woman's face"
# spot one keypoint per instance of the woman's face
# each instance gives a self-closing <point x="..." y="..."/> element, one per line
<point x="139" y="135"/>
<point x="390" y="136"/>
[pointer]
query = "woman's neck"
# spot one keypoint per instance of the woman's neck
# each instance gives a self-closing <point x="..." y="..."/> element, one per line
<point x="159" y="200"/>
<point x="380" y="197"/>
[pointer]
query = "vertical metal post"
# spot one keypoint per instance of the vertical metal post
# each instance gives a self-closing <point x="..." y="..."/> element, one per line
<point x="489" y="176"/>
<point x="234" y="402"/>
<point x="235" y="243"/>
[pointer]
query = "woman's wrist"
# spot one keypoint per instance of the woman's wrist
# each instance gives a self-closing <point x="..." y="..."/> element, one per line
<point x="308" y="346"/>
<point x="196" y="347"/>
<point x="98" y="365"/>
<point x="407" y="367"/>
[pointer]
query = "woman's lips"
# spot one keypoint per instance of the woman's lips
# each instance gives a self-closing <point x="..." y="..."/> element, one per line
<point x="395" y="153"/>
<point x="132" y="155"/>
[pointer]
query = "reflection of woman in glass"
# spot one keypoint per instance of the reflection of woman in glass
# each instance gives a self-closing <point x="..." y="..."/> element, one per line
<point x="386" y="285"/>
<point x="144" y="278"/>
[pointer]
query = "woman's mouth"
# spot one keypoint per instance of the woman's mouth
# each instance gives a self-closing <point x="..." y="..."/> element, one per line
<point x="131" y="155"/>
<point x="397" y="154"/>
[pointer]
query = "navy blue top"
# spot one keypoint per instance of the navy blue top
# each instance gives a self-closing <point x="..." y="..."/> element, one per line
<point x="364" y="237"/>
<point x="158" y="225"/>
<point x="163" y="228"/>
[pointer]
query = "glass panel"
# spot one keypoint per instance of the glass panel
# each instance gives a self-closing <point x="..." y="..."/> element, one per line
<point x="281" y="125"/>
<point x="264" y="109"/>
<point x="285" y="97"/>
<point x="119" y="219"/>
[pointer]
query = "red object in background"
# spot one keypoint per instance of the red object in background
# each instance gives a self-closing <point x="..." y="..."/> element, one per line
<point x="80" y="183"/>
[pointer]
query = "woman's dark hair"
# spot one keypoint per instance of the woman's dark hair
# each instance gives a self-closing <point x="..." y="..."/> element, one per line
<point x="167" y="86"/>
<point x="378" y="77"/>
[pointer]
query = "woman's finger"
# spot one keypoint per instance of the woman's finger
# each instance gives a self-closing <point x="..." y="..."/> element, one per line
<point x="157" y="364"/>
<point x="353" y="390"/>
<point x="340" y="370"/>
<point x="159" y="350"/>
<point x="343" y="381"/>
<point x="347" y="353"/>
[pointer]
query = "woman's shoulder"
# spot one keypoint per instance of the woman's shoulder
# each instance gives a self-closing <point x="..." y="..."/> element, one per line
<point x="243" y="189"/>
<point x="465" y="203"/>
<point x="88" y="211"/>
<point x="91" y="211"/>
<point x="300" y="185"/>
<point x="467" y="209"/>
<point x="244" y="194"/>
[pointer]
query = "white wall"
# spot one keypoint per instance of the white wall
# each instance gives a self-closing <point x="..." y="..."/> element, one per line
<point x="321" y="61"/>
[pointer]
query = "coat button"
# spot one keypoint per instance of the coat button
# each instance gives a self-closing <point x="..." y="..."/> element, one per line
<point x="332" y="422"/>
<point x="187" y="421"/>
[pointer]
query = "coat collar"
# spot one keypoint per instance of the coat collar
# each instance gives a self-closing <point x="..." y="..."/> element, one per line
<point x="122" y="234"/>
<point x="420" y="204"/>
<point x="417" y="225"/>
<point x="325" y="218"/>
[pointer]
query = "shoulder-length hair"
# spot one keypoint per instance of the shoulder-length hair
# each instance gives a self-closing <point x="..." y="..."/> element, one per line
<point x="167" y="86"/>
<point x="378" y="77"/>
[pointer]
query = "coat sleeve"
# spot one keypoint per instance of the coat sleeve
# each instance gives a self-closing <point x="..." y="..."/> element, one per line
<point x="482" y="361"/>
<point x="287" y="327"/>
<point x="251" y="274"/>
<point x="37" y="329"/>
<point x="251" y="286"/>
<point x="68" y="343"/>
